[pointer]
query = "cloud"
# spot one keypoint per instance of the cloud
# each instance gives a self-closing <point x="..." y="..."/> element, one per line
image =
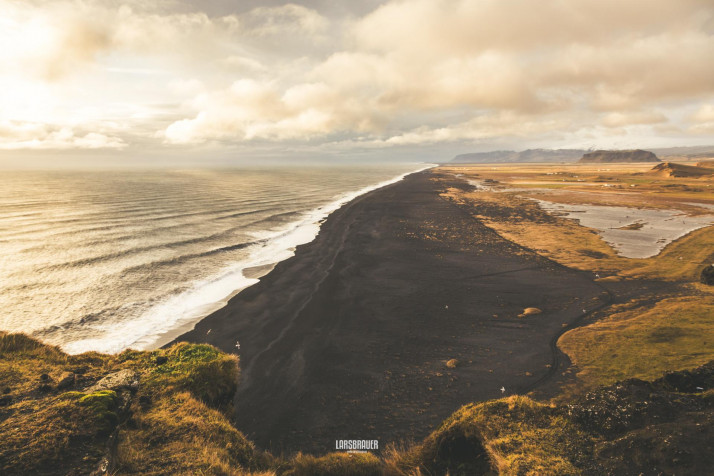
<point x="704" y="114"/>
<point x="424" y="60"/>
<point x="282" y="20"/>
<point x="409" y="72"/>
<point x="619" y="119"/>
<point x="703" y="120"/>
<point x="25" y="135"/>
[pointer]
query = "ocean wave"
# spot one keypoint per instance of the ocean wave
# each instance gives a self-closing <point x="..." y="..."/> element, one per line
<point x="177" y="314"/>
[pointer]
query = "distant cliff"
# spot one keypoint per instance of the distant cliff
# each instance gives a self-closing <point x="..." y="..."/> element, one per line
<point x="572" y="155"/>
<point x="530" y="155"/>
<point x="610" y="156"/>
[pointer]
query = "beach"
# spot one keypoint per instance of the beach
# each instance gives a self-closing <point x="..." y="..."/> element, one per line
<point x="350" y="337"/>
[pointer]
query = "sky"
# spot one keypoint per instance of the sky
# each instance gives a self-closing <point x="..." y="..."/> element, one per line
<point x="217" y="80"/>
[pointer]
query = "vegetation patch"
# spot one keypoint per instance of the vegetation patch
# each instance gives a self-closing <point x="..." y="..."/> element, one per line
<point x="105" y="405"/>
<point x="354" y="464"/>
<point x="171" y="428"/>
<point x="643" y="341"/>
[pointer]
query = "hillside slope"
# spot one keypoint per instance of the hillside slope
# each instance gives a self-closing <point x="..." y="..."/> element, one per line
<point x="164" y="412"/>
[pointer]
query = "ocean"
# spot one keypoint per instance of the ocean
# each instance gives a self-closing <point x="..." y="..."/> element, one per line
<point x="110" y="260"/>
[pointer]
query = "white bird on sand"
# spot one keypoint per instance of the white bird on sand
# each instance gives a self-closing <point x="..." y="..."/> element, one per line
<point x="446" y="307"/>
<point x="237" y="344"/>
<point x="503" y="389"/>
<point x="597" y="275"/>
<point x="209" y="331"/>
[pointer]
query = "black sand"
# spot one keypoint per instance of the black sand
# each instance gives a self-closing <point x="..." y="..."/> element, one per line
<point x="349" y="339"/>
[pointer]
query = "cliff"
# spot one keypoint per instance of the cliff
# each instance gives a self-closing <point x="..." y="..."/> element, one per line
<point x="530" y="155"/>
<point x="614" y="156"/>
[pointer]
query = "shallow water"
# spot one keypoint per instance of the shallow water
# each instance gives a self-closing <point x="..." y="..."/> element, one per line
<point x="110" y="260"/>
<point x="657" y="228"/>
<point x="654" y="230"/>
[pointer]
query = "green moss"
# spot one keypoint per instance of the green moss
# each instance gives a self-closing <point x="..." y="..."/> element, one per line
<point x="104" y="404"/>
<point x="202" y="369"/>
<point x="643" y="341"/>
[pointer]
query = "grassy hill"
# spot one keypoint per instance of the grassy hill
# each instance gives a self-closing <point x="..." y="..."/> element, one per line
<point x="167" y="412"/>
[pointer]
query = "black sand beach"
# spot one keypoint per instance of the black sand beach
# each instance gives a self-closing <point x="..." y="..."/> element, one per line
<point x="349" y="339"/>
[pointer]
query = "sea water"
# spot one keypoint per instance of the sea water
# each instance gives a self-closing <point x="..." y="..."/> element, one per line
<point x="130" y="259"/>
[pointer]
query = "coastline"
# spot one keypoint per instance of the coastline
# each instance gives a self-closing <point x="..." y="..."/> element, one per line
<point x="277" y="246"/>
<point x="350" y="337"/>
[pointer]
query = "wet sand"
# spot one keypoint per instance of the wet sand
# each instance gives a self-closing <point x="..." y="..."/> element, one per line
<point x="349" y="338"/>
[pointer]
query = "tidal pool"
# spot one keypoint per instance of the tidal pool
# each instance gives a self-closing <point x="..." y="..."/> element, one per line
<point x="632" y="232"/>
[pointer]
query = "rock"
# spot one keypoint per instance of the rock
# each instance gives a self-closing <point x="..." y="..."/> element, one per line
<point x="66" y="381"/>
<point x="452" y="364"/>
<point x="610" y="156"/>
<point x="707" y="276"/>
<point x="161" y="360"/>
<point x="124" y="378"/>
<point x="530" y="311"/>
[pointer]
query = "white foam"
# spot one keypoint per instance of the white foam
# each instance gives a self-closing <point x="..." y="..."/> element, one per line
<point x="178" y="314"/>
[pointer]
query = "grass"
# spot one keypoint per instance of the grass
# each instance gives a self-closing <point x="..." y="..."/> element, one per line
<point x="174" y="425"/>
<point x="510" y="436"/>
<point x="179" y="433"/>
<point x="178" y="420"/>
<point x="42" y="425"/>
<point x="643" y="341"/>
<point x="354" y="464"/>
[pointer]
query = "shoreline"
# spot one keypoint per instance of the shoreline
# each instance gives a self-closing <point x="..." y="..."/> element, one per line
<point x="350" y="337"/>
<point x="255" y="266"/>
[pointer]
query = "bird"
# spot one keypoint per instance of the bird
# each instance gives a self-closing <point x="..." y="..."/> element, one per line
<point x="503" y="389"/>
<point x="209" y="331"/>
<point x="237" y="344"/>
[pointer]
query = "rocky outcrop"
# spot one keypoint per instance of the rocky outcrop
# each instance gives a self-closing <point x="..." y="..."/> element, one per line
<point x="123" y="379"/>
<point x="614" y="156"/>
<point x="707" y="276"/>
<point x="661" y="427"/>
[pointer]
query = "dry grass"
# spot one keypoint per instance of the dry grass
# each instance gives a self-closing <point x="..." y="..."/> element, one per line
<point x="179" y="433"/>
<point x="510" y="436"/>
<point x="181" y="426"/>
<point x="355" y="464"/>
<point x="565" y="241"/>
<point x="176" y="426"/>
